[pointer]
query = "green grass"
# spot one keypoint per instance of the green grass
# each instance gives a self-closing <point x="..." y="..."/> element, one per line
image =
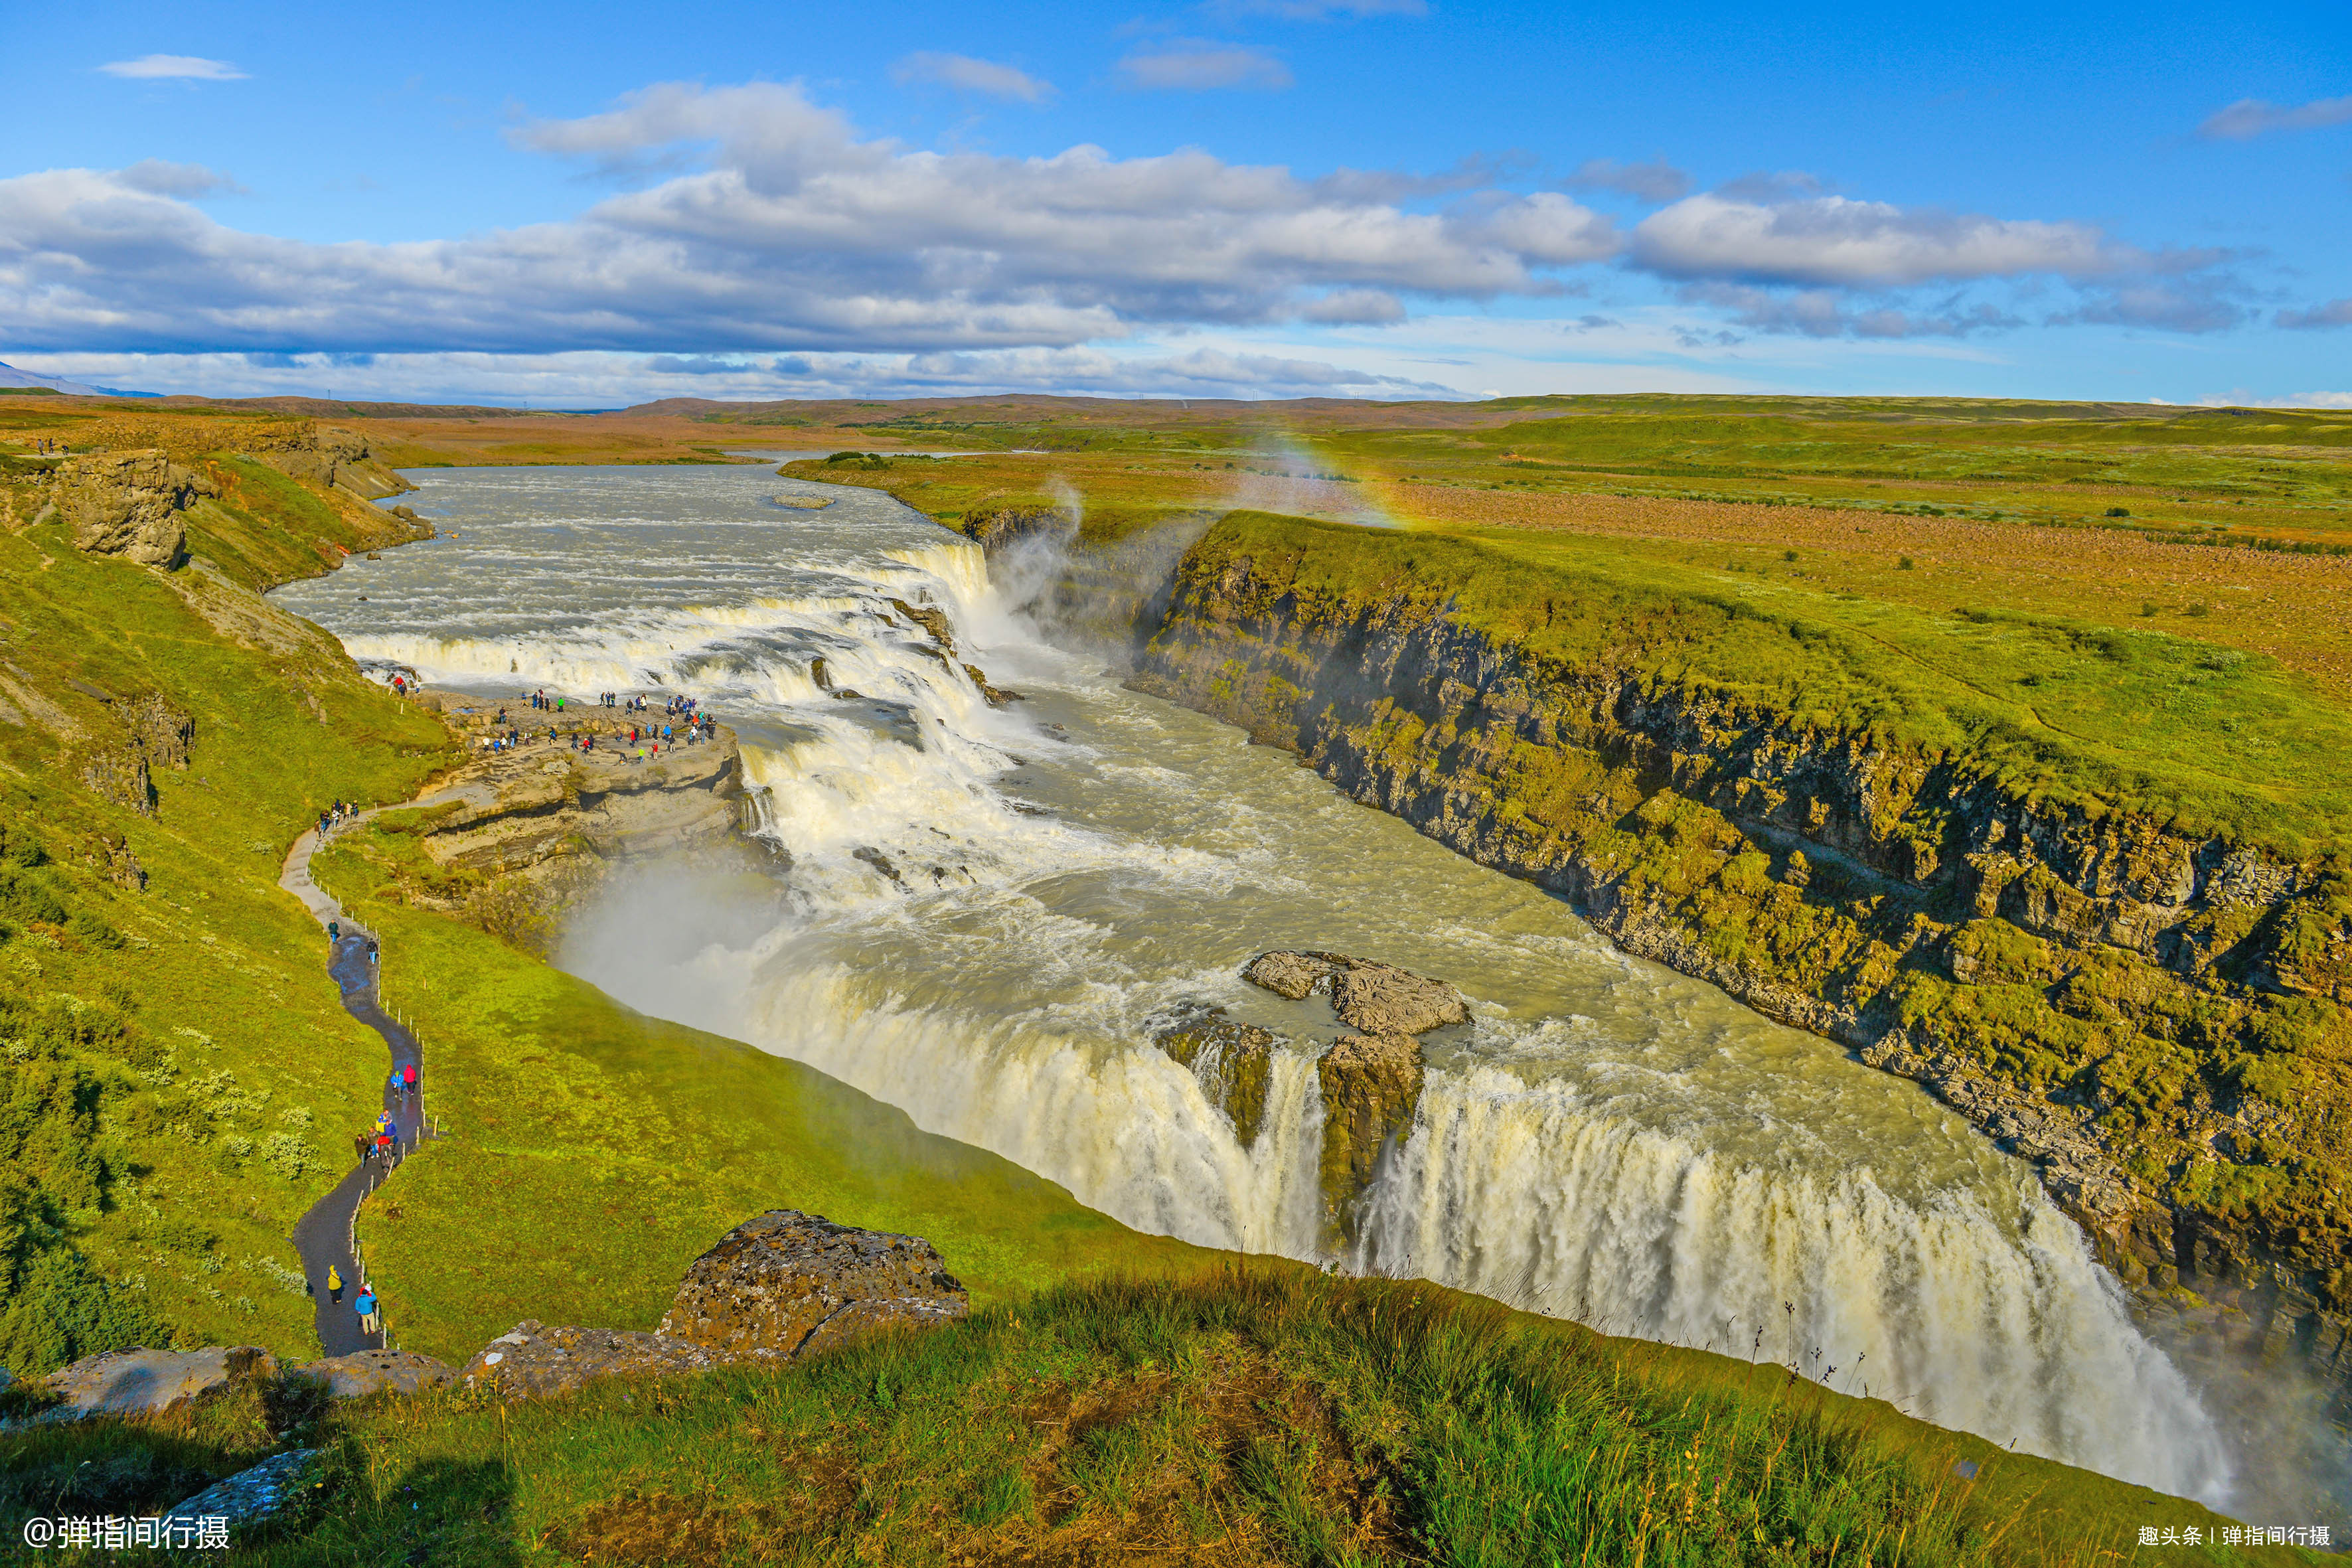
<point x="1262" y="1416"/>
<point x="594" y="1152"/>
<point x="179" y="1071"/>
<point x="2216" y="740"/>
<point x="2165" y="468"/>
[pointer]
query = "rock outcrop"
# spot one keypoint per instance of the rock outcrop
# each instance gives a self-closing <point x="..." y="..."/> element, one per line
<point x="250" y="1496"/>
<point x="1370" y="1080"/>
<point x="541" y="825"/>
<point x="786" y="1284"/>
<point x="999" y="531"/>
<point x="129" y="504"/>
<point x="129" y="1382"/>
<point x="1233" y="1061"/>
<point x="153" y="733"/>
<point x="532" y="1361"/>
<point x="1377" y="998"/>
<point x="780" y="1285"/>
<point x="363" y="1373"/>
<point x="1370" y="1084"/>
<point x="331" y="458"/>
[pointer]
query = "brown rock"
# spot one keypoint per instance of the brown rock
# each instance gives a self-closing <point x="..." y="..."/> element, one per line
<point x="784" y="1284"/>
<point x="1370" y="1084"/>
<point x="123" y="1381"/>
<point x="1233" y="1060"/>
<point x="128" y="504"/>
<point x="997" y="695"/>
<point x="533" y="1361"/>
<point x="1377" y="998"/>
<point x="374" y="1371"/>
<point x="1292" y="975"/>
<point x="933" y="620"/>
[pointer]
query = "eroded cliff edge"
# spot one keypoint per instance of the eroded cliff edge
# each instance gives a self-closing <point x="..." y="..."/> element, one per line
<point x="2145" y="1012"/>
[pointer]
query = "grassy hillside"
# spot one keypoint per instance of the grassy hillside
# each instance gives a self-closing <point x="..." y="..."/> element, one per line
<point x="179" y="1082"/>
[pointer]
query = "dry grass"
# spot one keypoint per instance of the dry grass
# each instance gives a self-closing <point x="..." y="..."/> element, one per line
<point x="2295" y="609"/>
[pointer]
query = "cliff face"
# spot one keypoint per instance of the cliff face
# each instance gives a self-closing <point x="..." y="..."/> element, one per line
<point x="2146" y="1015"/>
<point x="524" y="835"/>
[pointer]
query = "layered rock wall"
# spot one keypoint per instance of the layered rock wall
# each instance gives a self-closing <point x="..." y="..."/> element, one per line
<point x="2147" y="1015"/>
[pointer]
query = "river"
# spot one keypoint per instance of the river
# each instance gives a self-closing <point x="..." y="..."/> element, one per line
<point x="983" y="910"/>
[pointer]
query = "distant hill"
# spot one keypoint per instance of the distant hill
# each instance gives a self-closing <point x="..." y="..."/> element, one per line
<point x="11" y="377"/>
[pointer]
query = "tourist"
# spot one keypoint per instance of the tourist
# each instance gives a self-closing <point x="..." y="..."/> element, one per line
<point x="408" y="1081"/>
<point x="334" y="1283"/>
<point x="364" y="1305"/>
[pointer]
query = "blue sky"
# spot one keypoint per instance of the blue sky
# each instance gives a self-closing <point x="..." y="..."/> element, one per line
<point x="1238" y="197"/>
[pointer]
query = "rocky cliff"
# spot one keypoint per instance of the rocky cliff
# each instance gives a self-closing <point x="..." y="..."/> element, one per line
<point x="2147" y="1013"/>
<point x="519" y="836"/>
<point x="129" y="504"/>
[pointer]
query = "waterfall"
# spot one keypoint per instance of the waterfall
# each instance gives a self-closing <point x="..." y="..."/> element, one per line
<point x="987" y="908"/>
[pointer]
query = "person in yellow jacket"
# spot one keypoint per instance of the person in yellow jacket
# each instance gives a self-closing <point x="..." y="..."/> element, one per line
<point x="334" y="1283"/>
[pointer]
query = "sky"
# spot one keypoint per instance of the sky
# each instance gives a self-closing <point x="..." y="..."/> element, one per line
<point x="605" y="203"/>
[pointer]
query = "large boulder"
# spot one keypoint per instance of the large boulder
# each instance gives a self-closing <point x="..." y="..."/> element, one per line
<point x="1370" y="1084"/>
<point x="364" y="1372"/>
<point x="250" y="1496"/>
<point x="129" y="1382"/>
<point x="1233" y="1060"/>
<point x="786" y="1284"/>
<point x="532" y="1360"/>
<point x="1377" y="998"/>
<point x="128" y="504"/>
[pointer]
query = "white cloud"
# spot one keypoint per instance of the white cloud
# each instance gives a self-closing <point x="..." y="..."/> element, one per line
<point x="966" y="74"/>
<point x="1200" y="66"/>
<point x="2251" y="117"/>
<point x="1834" y="240"/>
<point x="1655" y="181"/>
<point x="794" y="235"/>
<point x="173" y="68"/>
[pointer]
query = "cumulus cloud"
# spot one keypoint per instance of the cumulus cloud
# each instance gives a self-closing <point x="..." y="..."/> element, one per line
<point x="1858" y="244"/>
<point x="2334" y="313"/>
<point x="790" y="233"/>
<point x="2251" y="117"/>
<point x="173" y="68"/>
<point x="1655" y="181"/>
<point x="1201" y="65"/>
<point x="966" y="74"/>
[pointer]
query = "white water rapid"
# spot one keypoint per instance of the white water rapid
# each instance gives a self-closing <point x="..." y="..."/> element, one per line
<point x="984" y="909"/>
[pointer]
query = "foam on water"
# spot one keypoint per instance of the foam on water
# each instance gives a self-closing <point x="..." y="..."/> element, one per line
<point x="1605" y="1140"/>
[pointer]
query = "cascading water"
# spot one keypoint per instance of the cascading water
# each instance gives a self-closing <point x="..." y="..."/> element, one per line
<point x="984" y="910"/>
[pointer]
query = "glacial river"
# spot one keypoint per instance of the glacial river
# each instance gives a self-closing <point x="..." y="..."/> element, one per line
<point x="1606" y="1139"/>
